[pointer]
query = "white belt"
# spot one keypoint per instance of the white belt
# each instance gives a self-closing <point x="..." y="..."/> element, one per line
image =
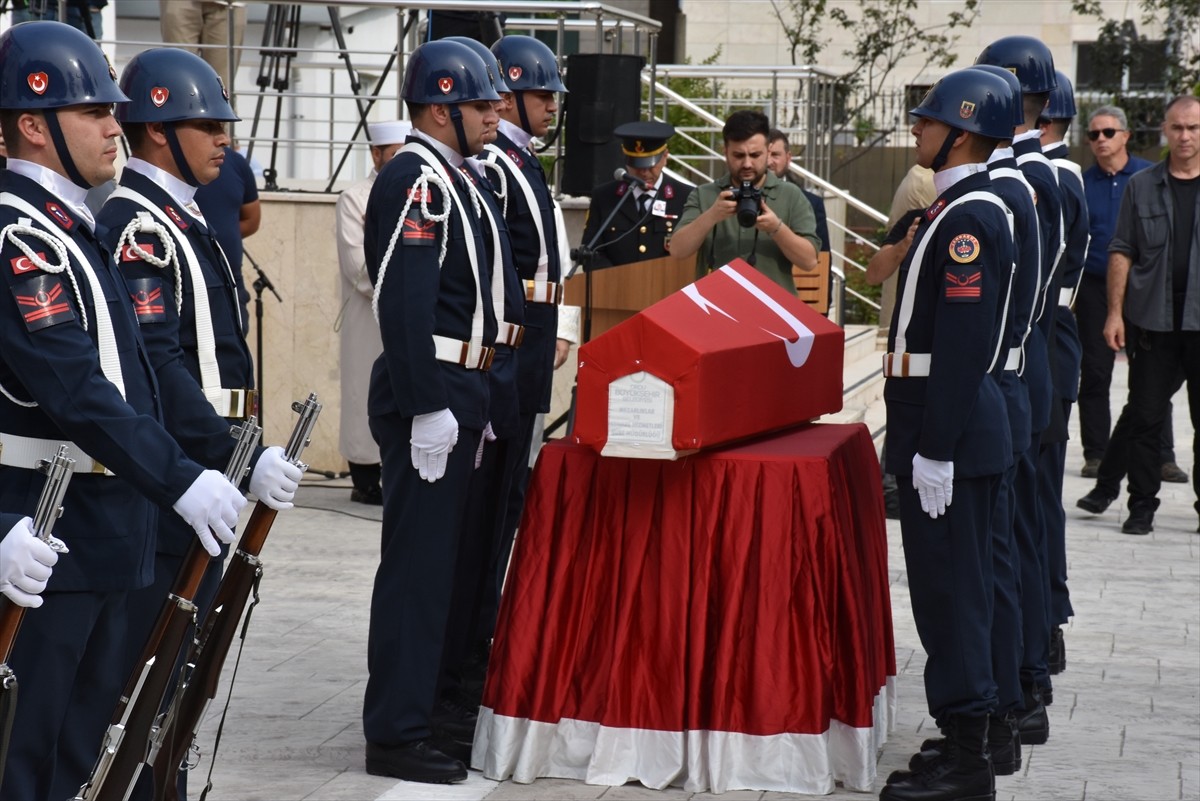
<point x="510" y="334"/>
<point x="464" y="354"/>
<point x="1064" y="296"/>
<point x="910" y="365"/>
<point x="26" y="452"/>
<point x="239" y="403"/>
<point x="1013" y="361"/>
<point x="543" y="292"/>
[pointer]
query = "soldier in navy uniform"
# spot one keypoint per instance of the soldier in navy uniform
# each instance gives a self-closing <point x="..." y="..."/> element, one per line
<point x="644" y="224"/>
<point x="186" y="303"/>
<point x="428" y="406"/>
<point x="1031" y="61"/>
<point x="74" y="369"/>
<point x="1066" y="357"/>
<point x="948" y="433"/>
<point x="529" y="69"/>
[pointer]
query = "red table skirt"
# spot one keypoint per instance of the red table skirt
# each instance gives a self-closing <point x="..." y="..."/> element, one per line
<point x="718" y="622"/>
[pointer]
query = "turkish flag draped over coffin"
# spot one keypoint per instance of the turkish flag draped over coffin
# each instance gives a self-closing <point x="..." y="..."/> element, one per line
<point x="731" y="356"/>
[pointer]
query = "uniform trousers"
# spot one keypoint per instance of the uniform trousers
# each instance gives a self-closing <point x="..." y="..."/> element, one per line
<point x="67" y="658"/>
<point x="1052" y="461"/>
<point x="410" y="603"/>
<point x="1031" y="545"/>
<point x="1006" y="613"/>
<point x="1153" y="370"/>
<point x="950" y="579"/>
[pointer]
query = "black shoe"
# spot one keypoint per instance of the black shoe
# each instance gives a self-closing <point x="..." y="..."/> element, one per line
<point x="1173" y="473"/>
<point x="372" y="496"/>
<point x="962" y="773"/>
<point x="1091" y="468"/>
<point x="452" y="747"/>
<point x="1140" y="522"/>
<point x="1058" y="651"/>
<point x="1096" y="501"/>
<point x="452" y="719"/>
<point x="417" y="761"/>
<point x="1004" y="743"/>
<point x="1033" y="724"/>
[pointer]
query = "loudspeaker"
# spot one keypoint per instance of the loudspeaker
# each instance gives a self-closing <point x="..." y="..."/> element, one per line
<point x="483" y="26"/>
<point x="604" y="91"/>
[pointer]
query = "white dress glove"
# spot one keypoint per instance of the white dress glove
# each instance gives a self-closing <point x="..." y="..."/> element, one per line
<point x="275" y="479"/>
<point x="210" y="506"/>
<point x="25" y="565"/>
<point x="488" y="436"/>
<point x="934" y="483"/>
<point x="433" y="437"/>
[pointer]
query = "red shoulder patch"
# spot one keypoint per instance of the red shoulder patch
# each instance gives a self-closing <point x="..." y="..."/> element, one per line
<point x="129" y="254"/>
<point x="43" y="302"/>
<point x="22" y="264"/>
<point x="935" y="209"/>
<point x="60" y="216"/>
<point x="176" y="217"/>
<point x="146" y="294"/>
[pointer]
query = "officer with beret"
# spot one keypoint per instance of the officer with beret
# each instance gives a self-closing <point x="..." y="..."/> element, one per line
<point x="428" y="404"/>
<point x="644" y="223"/>
<point x="948" y="434"/>
<point x="74" y="370"/>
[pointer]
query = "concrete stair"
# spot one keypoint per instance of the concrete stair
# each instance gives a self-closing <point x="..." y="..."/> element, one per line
<point x="862" y="381"/>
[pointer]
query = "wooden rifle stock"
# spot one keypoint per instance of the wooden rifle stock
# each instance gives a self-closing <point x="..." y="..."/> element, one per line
<point x="183" y="717"/>
<point x="49" y="509"/>
<point x="127" y="740"/>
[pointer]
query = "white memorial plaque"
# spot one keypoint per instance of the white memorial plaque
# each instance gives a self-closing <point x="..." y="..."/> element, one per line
<point x="641" y="417"/>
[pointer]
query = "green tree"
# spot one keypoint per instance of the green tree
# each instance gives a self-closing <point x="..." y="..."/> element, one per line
<point x="1119" y="45"/>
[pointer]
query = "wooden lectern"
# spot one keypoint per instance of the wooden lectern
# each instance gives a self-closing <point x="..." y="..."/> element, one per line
<point x="620" y="292"/>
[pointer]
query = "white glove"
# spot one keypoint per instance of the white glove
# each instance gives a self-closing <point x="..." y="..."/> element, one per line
<point x="934" y="483"/>
<point x="275" y="479"/>
<point x="211" y="506"/>
<point x="488" y="436"/>
<point x="433" y="437"/>
<point x="25" y="563"/>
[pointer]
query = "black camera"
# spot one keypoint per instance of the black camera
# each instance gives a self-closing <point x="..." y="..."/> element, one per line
<point x="749" y="202"/>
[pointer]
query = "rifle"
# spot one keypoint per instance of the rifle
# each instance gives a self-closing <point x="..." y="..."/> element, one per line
<point x="127" y="740"/>
<point x="49" y="509"/>
<point x="175" y="738"/>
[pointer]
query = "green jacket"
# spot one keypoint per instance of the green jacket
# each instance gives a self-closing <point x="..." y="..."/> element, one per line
<point x="728" y="240"/>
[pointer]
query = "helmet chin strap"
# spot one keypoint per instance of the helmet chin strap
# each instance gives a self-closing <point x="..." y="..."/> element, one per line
<point x="463" y="147"/>
<point x="520" y="99"/>
<point x="60" y="147"/>
<point x="943" y="153"/>
<point x="181" y="163"/>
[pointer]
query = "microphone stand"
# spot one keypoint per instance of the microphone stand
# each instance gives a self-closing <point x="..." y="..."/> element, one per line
<point x="260" y="283"/>
<point x="583" y="258"/>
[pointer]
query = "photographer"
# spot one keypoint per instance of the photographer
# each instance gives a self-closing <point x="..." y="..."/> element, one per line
<point x="748" y="213"/>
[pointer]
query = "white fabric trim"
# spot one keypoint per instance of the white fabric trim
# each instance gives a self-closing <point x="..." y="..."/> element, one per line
<point x="206" y="343"/>
<point x="543" y="265"/>
<point x="110" y="359"/>
<point x="699" y="761"/>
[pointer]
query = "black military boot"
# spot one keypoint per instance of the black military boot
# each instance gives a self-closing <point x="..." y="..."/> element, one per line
<point x="963" y="772"/>
<point x="1003" y="744"/>
<point x="1033" y="724"/>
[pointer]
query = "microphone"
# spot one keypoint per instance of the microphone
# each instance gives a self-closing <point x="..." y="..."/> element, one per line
<point x="623" y="174"/>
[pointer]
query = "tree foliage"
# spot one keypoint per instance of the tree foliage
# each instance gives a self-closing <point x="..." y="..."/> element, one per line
<point x="1117" y="44"/>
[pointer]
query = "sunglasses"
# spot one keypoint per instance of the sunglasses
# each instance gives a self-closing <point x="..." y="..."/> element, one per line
<point x="1109" y="133"/>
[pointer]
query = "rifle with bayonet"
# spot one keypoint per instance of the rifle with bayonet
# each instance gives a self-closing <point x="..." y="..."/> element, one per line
<point x="175" y="738"/>
<point x="126" y="745"/>
<point x="49" y="509"/>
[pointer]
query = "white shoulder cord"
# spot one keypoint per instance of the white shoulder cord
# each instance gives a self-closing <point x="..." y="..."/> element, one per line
<point x="502" y="192"/>
<point x="909" y="293"/>
<point x="419" y="189"/>
<point x="206" y="344"/>
<point x="143" y="223"/>
<point x="543" y="265"/>
<point x="110" y="359"/>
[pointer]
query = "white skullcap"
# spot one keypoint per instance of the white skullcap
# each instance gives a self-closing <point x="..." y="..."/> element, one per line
<point x="389" y="133"/>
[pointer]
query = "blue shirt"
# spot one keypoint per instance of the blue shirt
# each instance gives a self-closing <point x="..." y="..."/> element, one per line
<point x="1103" y="193"/>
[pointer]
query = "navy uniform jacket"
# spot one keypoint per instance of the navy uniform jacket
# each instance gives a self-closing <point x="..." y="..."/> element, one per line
<point x="535" y="368"/>
<point x="418" y="299"/>
<point x="628" y="237"/>
<point x="957" y="413"/>
<point x="49" y="358"/>
<point x="1068" y="352"/>
<point x="1021" y="302"/>
<point x="170" y="336"/>
<point x="503" y="413"/>
<point x="1041" y="176"/>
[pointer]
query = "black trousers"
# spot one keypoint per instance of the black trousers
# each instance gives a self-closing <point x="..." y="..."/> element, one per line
<point x="1095" y="374"/>
<point x="1153" y="378"/>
